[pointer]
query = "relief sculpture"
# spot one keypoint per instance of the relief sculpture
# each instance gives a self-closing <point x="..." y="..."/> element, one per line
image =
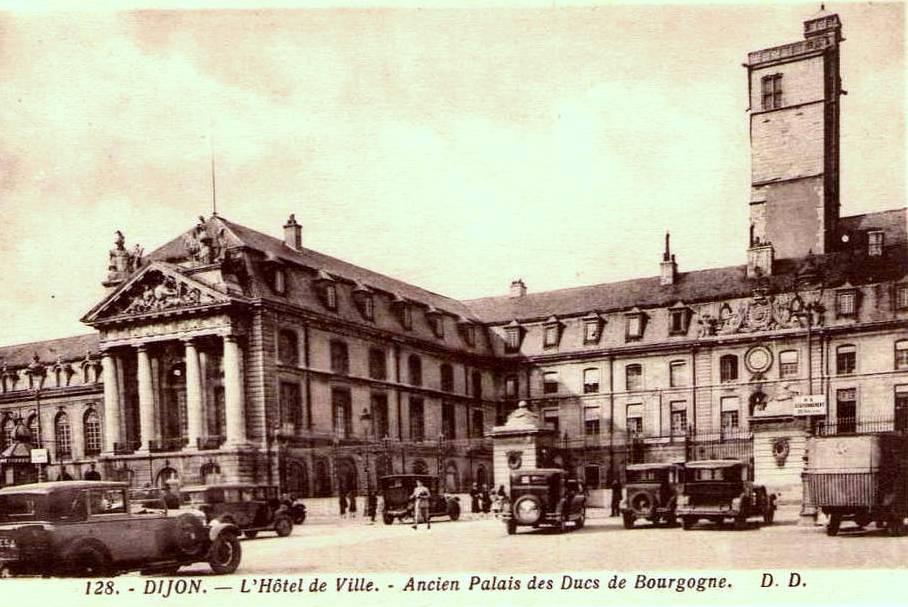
<point x="158" y="292"/>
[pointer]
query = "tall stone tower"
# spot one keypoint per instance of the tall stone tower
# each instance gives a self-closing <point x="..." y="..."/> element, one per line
<point x="794" y="94"/>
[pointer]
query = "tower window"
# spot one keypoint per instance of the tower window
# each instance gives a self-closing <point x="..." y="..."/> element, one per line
<point x="772" y="92"/>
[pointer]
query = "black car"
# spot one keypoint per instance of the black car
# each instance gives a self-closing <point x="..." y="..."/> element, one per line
<point x="396" y="490"/>
<point x="545" y="496"/>
<point x="651" y="493"/>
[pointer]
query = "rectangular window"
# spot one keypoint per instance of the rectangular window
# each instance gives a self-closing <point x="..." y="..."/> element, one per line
<point x="342" y="418"/>
<point x="729" y="407"/>
<point x="550" y="382"/>
<point x="340" y="358"/>
<point x="772" y="91"/>
<point x="591" y="332"/>
<point x="511" y="385"/>
<point x="728" y="368"/>
<point x="477" y="424"/>
<point x="378" y="364"/>
<point x="633" y="326"/>
<point x="846" y="411"/>
<point x="677" y="324"/>
<point x="679" y="418"/>
<point x="417" y="419"/>
<point x="590" y="381"/>
<point x="331" y="297"/>
<point x="380" y="425"/>
<point x="845" y="360"/>
<point x="633" y="377"/>
<point x="368" y="307"/>
<point x="677" y="374"/>
<point x="591" y="421"/>
<point x="438" y="325"/>
<point x="901" y="408"/>
<point x="591" y="476"/>
<point x="634" y="423"/>
<point x="550" y="336"/>
<point x="512" y="339"/>
<point x="875" y="241"/>
<point x="844" y="303"/>
<point x="291" y="404"/>
<point x="901" y="297"/>
<point x="448" y="421"/>
<point x="788" y="364"/>
<point x="901" y="354"/>
<point x="550" y="419"/>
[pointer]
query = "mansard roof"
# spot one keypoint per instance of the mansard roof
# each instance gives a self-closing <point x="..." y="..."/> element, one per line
<point x="66" y="349"/>
<point x="705" y="285"/>
<point x="238" y="235"/>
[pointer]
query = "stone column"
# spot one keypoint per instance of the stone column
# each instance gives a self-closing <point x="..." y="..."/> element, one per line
<point x="195" y="414"/>
<point x="146" y="397"/>
<point x="111" y="402"/>
<point x="234" y="406"/>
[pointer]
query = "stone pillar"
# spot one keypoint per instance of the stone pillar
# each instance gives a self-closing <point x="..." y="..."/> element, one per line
<point x="234" y="406"/>
<point x="195" y="414"/>
<point x="146" y="397"/>
<point x="521" y="443"/>
<point x="111" y="402"/>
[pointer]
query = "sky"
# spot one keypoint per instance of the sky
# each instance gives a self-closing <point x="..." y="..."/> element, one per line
<point x="455" y="149"/>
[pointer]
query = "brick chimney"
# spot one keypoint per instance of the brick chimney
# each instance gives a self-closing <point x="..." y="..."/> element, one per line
<point x="668" y="267"/>
<point x="518" y="288"/>
<point x="293" y="233"/>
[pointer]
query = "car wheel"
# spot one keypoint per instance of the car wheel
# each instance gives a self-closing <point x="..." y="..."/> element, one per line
<point x="299" y="519"/>
<point x="832" y="527"/>
<point x="862" y="520"/>
<point x="283" y="526"/>
<point x="251" y="534"/>
<point x="225" y="554"/>
<point x="687" y="522"/>
<point x="895" y="525"/>
<point x="628" y="520"/>
<point x="188" y="535"/>
<point x="387" y="518"/>
<point x="88" y="561"/>
<point x="454" y="511"/>
<point x="512" y="527"/>
<point x="769" y="514"/>
<point x="671" y="520"/>
<point x="740" y="522"/>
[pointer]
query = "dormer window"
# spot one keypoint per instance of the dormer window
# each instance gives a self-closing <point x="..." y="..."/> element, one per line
<point x="402" y="309"/>
<point x="846" y="302"/>
<point x="551" y="332"/>
<point x="678" y="319"/>
<point x="368" y="307"/>
<point x="364" y="300"/>
<point x="592" y="328"/>
<point x="634" y="324"/>
<point x="327" y="290"/>
<point x="875" y="241"/>
<point x="467" y="331"/>
<point x="279" y="281"/>
<point x="513" y="335"/>
<point x="436" y="322"/>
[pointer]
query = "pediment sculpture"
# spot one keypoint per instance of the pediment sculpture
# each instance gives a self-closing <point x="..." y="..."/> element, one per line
<point x="157" y="291"/>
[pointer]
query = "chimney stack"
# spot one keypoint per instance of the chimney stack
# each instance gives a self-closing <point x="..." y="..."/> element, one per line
<point x="293" y="233"/>
<point x="668" y="267"/>
<point x="518" y="288"/>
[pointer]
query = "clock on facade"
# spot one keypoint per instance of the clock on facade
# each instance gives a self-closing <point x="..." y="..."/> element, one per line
<point x="758" y="359"/>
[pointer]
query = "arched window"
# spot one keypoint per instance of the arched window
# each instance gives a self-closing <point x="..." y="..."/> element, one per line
<point x="287" y="347"/>
<point x="340" y="358"/>
<point x="728" y="368"/>
<point x="481" y="476"/>
<point x="33" y="429"/>
<point x="447" y="378"/>
<point x="209" y="472"/>
<point x="63" y="436"/>
<point x="477" y="384"/>
<point x="6" y="432"/>
<point x="414" y="365"/>
<point x="297" y="479"/>
<point x="166" y="474"/>
<point x="91" y="430"/>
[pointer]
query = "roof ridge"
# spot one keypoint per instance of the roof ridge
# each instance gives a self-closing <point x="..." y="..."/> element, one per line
<point x="45" y="341"/>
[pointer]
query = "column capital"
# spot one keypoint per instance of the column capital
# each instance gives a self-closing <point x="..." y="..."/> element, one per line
<point x="141" y="346"/>
<point x="191" y="340"/>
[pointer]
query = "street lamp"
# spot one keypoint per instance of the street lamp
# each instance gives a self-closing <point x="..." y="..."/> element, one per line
<point x="366" y="418"/>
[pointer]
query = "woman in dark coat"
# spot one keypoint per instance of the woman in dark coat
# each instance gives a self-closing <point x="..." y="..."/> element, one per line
<point x="474" y="499"/>
<point x="351" y="504"/>
<point x="342" y="503"/>
<point x="486" y="500"/>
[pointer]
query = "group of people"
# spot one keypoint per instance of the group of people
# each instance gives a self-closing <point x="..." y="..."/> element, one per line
<point x="482" y="501"/>
<point x="347" y="506"/>
<point x="91" y="474"/>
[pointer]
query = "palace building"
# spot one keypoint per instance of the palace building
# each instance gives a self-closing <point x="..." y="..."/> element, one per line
<point x="230" y="354"/>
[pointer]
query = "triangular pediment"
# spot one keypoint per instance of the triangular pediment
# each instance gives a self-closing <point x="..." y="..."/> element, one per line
<point x="158" y="288"/>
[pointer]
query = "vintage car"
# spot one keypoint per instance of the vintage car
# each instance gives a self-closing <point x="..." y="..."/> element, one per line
<point x="92" y="528"/>
<point x="396" y="490"/>
<point x="298" y="511"/>
<point x="651" y="493"/>
<point x="250" y="507"/>
<point x="545" y="496"/>
<point x="861" y="478"/>
<point x="718" y="490"/>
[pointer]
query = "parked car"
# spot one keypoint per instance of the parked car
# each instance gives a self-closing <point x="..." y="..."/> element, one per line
<point x="545" y="496"/>
<point x="298" y="511"/>
<point x="860" y="478"/>
<point x="252" y="508"/>
<point x="651" y="492"/>
<point x="92" y="528"/>
<point x="396" y="490"/>
<point x="719" y="490"/>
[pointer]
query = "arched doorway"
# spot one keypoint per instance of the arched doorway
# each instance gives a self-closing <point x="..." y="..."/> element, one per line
<point x="322" y="479"/>
<point x="452" y="478"/>
<point x="165" y="475"/>
<point x="297" y="479"/>
<point x="345" y="474"/>
<point x="481" y="478"/>
<point x="209" y="472"/>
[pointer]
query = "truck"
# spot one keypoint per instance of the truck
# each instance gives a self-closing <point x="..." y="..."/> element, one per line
<point x="859" y="478"/>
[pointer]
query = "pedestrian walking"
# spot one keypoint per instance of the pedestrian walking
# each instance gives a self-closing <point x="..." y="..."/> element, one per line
<point x="501" y="499"/>
<point x="486" y="499"/>
<point x="616" y="496"/>
<point x="420" y="497"/>
<point x="474" y="499"/>
<point x="351" y="504"/>
<point x="342" y="503"/>
<point x="371" y="506"/>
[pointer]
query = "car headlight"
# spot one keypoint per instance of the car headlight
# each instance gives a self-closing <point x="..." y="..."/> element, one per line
<point x="683" y="500"/>
<point x="736" y="503"/>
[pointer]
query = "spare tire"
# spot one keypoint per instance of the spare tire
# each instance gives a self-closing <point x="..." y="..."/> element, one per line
<point x="641" y="503"/>
<point x="188" y="536"/>
<point x="528" y="510"/>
